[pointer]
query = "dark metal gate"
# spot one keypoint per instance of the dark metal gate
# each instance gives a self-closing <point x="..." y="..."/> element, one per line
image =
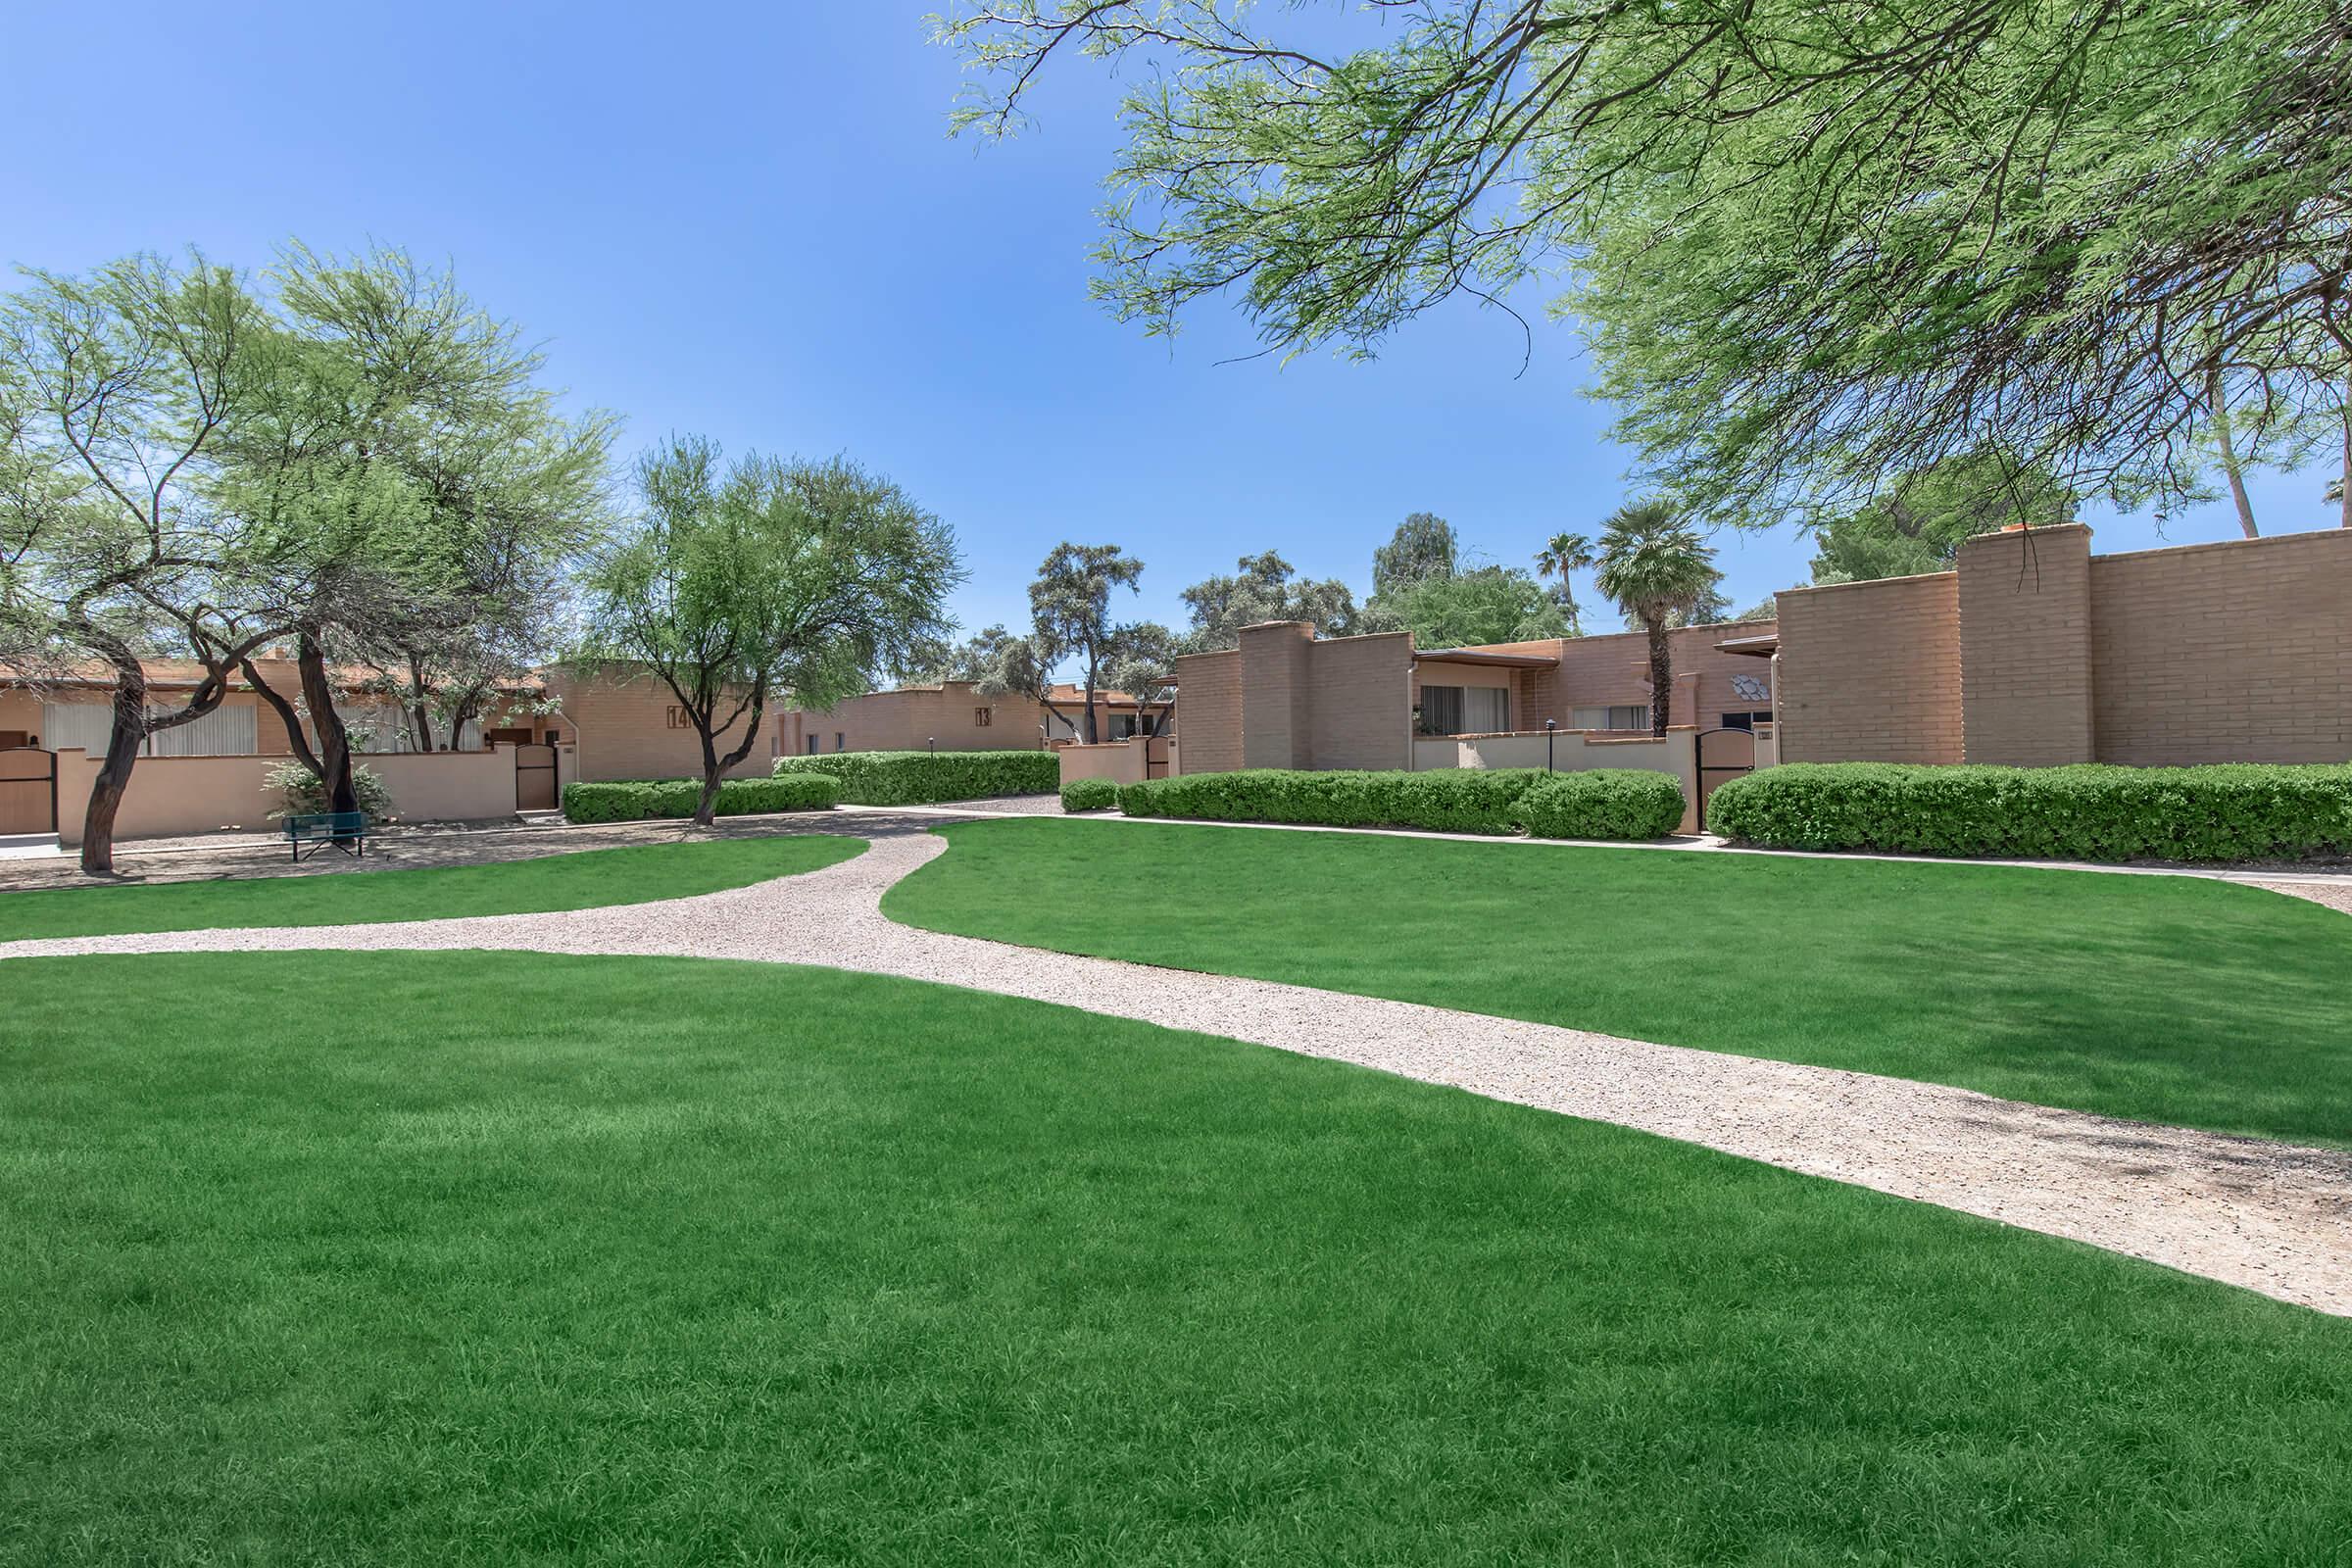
<point x="1155" y="756"/>
<point x="1721" y="754"/>
<point x="535" y="778"/>
<point x="27" y="790"/>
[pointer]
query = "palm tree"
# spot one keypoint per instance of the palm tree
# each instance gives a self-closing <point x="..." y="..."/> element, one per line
<point x="1566" y="553"/>
<point x="1652" y="565"/>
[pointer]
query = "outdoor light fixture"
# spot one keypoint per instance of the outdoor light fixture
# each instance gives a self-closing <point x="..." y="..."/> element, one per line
<point x="934" y="745"/>
<point x="1550" y="726"/>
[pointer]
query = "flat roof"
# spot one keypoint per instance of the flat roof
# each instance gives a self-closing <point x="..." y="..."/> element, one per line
<point x="1472" y="656"/>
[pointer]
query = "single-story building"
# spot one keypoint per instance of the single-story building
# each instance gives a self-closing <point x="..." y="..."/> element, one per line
<point x="954" y="716"/>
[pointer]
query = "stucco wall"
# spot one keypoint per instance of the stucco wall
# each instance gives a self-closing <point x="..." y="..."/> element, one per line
<point x="2224" y="652"/>
<point x="174" y="796"/>
<point x="1870" y="671"/>
<point x="20" y="710"/>
<point x="1121" y="761"/>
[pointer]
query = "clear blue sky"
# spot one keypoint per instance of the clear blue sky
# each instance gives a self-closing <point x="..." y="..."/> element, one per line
<point x="748" y="220"/>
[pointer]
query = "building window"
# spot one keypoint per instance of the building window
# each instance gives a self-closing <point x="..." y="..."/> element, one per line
<point x="1465" y="711"/>
<point x="812" y="746"/>
<point x="841" y="742"/>
<point x="1626" y="717"/>
<point x="1749" y="720"/>
<point x="982" y="717"/>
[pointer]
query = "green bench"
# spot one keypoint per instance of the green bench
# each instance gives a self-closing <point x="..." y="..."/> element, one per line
<point x="344" y="830"/>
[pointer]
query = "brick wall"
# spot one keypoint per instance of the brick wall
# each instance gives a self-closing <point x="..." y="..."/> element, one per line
<point x="2024" y="648"/>
<point x="621" y="725"/>
<point x="1359" y="702"/>
<point x="910" y="719"/>
<point x="1208" y="712"/>
<point x="1870" y="671"/>
<point x="2224" y="652"/>
<point x="1275" y="695"/>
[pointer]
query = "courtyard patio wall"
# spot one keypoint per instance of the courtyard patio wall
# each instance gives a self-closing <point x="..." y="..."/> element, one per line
<point x="177" y="797"/>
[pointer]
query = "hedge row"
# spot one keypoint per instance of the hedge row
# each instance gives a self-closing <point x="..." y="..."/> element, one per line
<point x="629" y="802"/>
<point x="2088" y="813"/>
<point x="1602" y="803"/>
<point x="1090" y="795"/>
<point x="923" y="778"/>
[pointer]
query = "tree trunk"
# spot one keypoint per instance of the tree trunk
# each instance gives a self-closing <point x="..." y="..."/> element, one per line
<point x="706" y="809"/>
<point x="1094" y="668"/>
<point x="1661" y="674"/>
<point x="334" y="741"/>
<point x="123" y="741"/>
<point x="2344" y="502"/>
<point x="421" y="718"/>
<point x="2230" y="463"/>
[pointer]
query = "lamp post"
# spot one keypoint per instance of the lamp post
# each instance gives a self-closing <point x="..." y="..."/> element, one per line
<point x="1550" y="727"/>
<point x="934" y="745"/>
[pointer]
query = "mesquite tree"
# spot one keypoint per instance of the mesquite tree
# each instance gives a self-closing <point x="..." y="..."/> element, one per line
<point x="1069" y="602"/>
<point x="117" y="393"/>
<point x="1814" y="244"/>
<point x="738" y="585"/>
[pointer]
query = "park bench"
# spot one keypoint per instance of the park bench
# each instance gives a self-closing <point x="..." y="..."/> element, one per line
<point x="344" y="830"/>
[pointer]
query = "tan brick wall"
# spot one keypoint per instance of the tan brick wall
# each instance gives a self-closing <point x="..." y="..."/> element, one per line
<point x="1275" y="695"/>
<point x="2024" y="648"/>
<point x="910" y="719"/>
<point x="2224" y="652"/>
<point x="1208" y="712"/>
<point x="621" y="726"/>
<point x="1359" y="702"/>
<point x="1870" y="671"/>
<point x="1613" y="671"/>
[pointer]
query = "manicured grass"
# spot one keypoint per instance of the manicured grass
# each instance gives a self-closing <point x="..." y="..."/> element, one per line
<point x="2163" y="999"/>
<point x="478" y="1257"/>
<point x="585" y="880"/>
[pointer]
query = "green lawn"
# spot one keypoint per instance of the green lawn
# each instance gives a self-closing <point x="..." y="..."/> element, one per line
<point x="2163" y="999"/>
<point x="471" y="1258"/>
<point x="586" y="880"/>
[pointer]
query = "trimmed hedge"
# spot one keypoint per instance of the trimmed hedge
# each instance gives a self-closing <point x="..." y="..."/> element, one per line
<point x="2088" y="813"/>
<point x="1090" y="795"/>
<point x="629" y="802"/>
<point x="1608" y="802"/>
<point x="925" y="778"/>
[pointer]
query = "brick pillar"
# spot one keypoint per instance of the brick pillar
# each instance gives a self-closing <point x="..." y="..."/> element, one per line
<point x="1274" y="694"/>
<point x="2024" y="648"/>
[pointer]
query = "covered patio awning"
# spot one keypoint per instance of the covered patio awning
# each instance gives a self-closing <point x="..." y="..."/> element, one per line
<point x="1479" y="655"/>
<point x="1763" y="646"/>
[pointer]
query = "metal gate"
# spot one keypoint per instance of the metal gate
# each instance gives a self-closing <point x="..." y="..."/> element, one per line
<point x="1721" y="754"/>
<point x="1155" y="756"/>
<point x="27" y="790"/>
<point x="535" y="778"/>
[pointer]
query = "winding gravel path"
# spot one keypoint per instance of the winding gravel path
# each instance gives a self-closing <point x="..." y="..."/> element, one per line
<point x="2272" y="1217"/>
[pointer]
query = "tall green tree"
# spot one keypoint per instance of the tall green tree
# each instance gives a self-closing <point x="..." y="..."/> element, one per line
<point x="1562" y="556"/>
<point x="1811" y="244"/>
<point x="741" y="582"/>
<point x="1655" y="566"/>
<point x="1487" y="604"/>
<point x="1424" y="546"/>
<point x="1069" y="604"/>
<point x="117" y="392"/>
<point x="1264" y="587"/>
<point x="415" y="496"/>
<point x="1920" y="524"/>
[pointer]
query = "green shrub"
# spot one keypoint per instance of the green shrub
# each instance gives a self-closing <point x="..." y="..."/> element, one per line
<point x="2087" y="812"/>
<point x="1445" y="801"/>
<point x="925" y="779"/>
<point x="1606" y="803"/>
<point x="1089" y="794"/>
<point x="1603" y="803"/>
<point x="305" y="796"/>
<point x="632" y="801"/>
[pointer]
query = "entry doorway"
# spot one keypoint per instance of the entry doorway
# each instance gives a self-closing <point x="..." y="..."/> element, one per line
<point x="535" y="778"/>
<point x="27" y="790"/>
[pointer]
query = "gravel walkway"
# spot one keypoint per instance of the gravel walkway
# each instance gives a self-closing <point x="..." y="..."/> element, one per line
<point x="2272" y="1217"/>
